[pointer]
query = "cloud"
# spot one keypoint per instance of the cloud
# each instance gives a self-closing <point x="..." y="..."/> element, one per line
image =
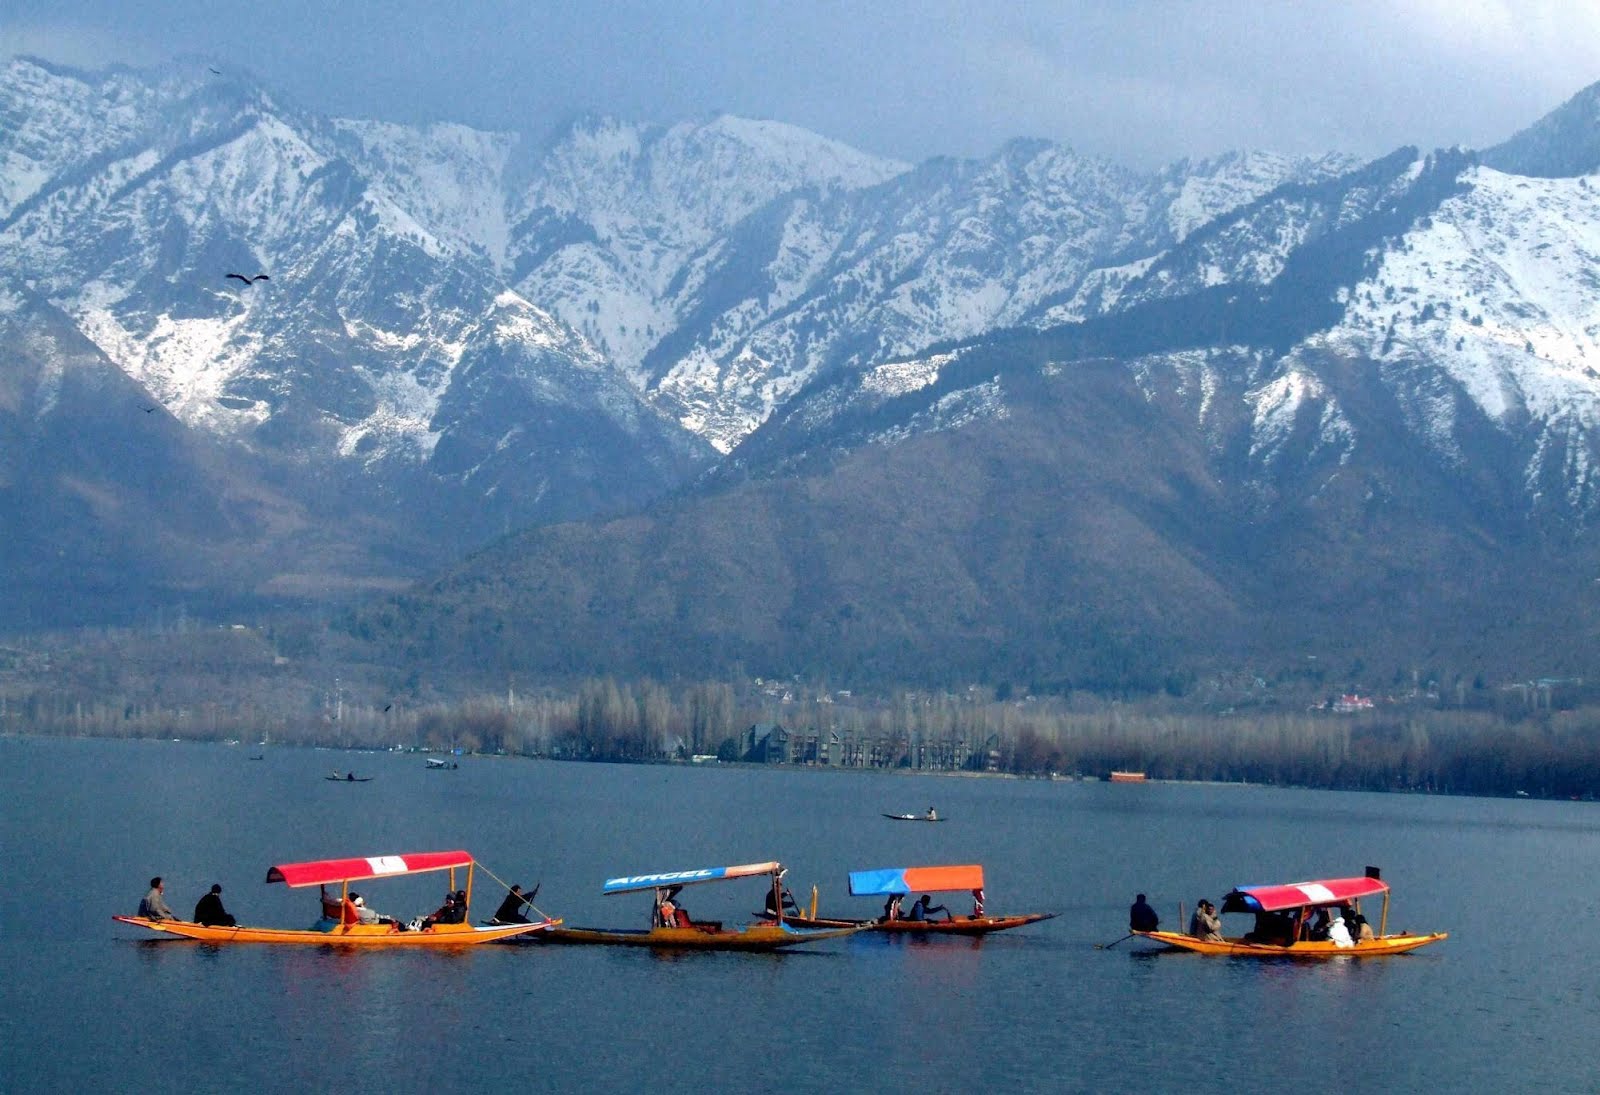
<point x="76" y="45"/>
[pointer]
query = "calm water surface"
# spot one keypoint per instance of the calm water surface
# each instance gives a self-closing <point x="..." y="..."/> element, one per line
<point x="1508" y="1003"/>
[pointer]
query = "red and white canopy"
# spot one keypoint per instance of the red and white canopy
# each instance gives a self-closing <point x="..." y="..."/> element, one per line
<point x="322" y="871"/>
<point x="1328" y="891"/>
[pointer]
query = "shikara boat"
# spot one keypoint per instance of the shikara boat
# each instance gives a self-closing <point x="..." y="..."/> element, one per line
<point x="349" y="778"/>
<point x="684" y="934"/>
<point x="929" y="816"/>
<point x="1283" y="916"/>
<point x="338" y="930"/>
<point x="909" y="880"/>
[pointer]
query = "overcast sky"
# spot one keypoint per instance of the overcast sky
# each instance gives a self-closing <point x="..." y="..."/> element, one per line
<point x="1140" y="82"/>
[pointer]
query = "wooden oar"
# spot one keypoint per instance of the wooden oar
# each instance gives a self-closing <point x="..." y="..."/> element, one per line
<point x="1108" y="946"/>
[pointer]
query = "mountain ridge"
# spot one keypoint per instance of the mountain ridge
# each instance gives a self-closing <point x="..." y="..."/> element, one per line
<point x="754" y="397"/>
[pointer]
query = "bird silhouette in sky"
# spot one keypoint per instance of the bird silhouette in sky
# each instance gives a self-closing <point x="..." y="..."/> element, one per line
<point x="148" y="410"/>
<point x="250" y="281"/>
<point x="218" y="71"/>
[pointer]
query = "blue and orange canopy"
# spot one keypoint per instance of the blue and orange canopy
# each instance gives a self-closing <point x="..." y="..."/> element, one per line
<point x="630" y="883"/>
<point x="1293" y="895"/>
<point x="322" y="871"/>
<point x="888" y="880"/>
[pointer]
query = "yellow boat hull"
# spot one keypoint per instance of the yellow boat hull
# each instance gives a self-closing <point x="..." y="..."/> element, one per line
<point x="352" y="935"/>
<point x="1241" y="948"/>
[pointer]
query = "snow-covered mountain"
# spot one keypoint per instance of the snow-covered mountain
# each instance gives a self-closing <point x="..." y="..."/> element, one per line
<point x="474" y="331"/>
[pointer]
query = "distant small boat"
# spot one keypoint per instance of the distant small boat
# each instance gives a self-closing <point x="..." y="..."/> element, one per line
<point x="349" y="777"/>
<point x="436" y="765"/>
<point x="1128" y="777"/>
<point x="929" y="816"/>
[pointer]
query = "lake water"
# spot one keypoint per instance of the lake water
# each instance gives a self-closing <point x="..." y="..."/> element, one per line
<point x="1508" y="1003"/>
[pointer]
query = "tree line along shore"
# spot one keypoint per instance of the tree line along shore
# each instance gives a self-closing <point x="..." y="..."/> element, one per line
<point x="1538" y="743"/>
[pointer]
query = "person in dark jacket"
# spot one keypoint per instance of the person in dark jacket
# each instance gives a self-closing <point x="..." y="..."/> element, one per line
<point x="510" y="910"/>
<point x="1141" y="917"/>
<point x="209" y="911"/>
<point x="444" y="914"/>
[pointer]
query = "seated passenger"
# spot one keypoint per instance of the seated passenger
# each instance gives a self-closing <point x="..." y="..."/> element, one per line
<point x="977" y="904"/>
<point x="153" y="905"/>
<point x="209" y="911"/>
<point x="1274" y="929"/>
<point x="1338" y="934"/>
<point x="891" y="907"/>
<point x="1318" y="932"/>
<point x="1205" y="925"/>
<point x="668" y="914"/>
<point x="924" y="908"/>
<point x="1362" y="932"/>
<point x="444" y="914"/>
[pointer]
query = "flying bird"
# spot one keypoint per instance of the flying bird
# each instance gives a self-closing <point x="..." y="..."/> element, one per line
<point x="250" y="281"/>
<point x="218" y="71"/>
<point x="151" y="410"/>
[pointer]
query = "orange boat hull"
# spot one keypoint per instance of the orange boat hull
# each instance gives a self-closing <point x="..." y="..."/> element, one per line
<point x="1240" y="948"/>
<point x="353" y="935"/>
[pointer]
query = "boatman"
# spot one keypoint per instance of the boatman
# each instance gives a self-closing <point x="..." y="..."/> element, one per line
<point x="1141" y="917"/>
<point x="510" y="910"/>
<point x="779" y="897"/>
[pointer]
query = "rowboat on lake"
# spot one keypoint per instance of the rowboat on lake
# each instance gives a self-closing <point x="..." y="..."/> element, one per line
<point x="1283" y="927"/>
<point x="672" y="929"/>
<point x="342" y="923"/>
<point x="904" y="881"/>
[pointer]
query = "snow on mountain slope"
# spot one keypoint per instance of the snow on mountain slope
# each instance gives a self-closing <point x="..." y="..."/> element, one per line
<point x="615" y="213"/>
<point x="1499" y="290"/>
<point x="1035" y="235"/>
<point x="452" y="178"/>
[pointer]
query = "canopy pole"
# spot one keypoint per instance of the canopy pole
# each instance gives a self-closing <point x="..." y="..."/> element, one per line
<point x="344" y="899"/>
<point x="469" y="892"/>
<point x="1383" y="920"/>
